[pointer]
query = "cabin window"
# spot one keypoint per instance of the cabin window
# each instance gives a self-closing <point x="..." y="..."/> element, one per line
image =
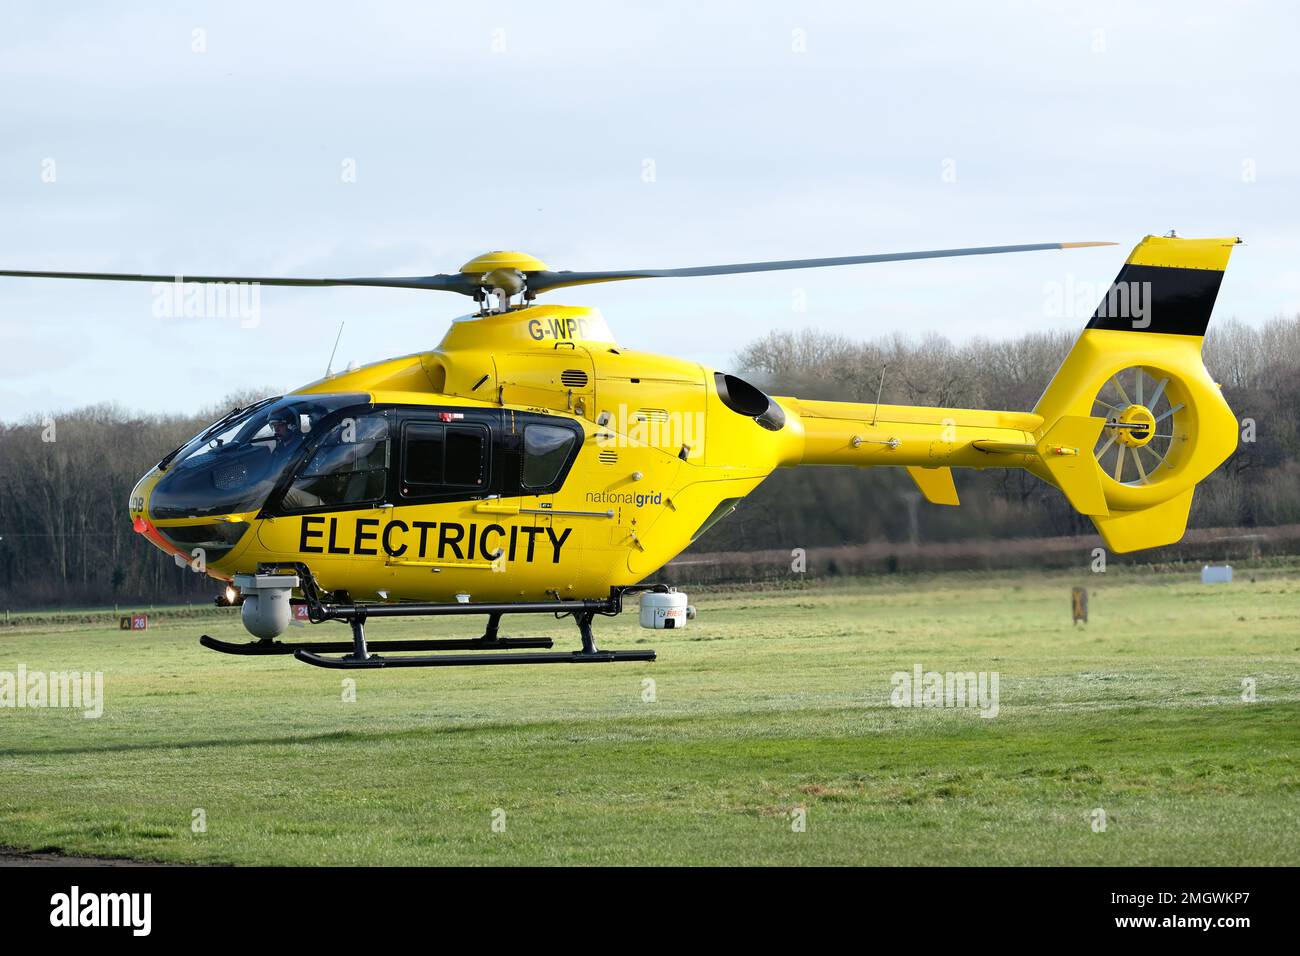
<point x="422" y="455"/>
<point x="546" y="450"/>
<point x="438" y="457"/>
<point x="349" y="466"/>
<point x="466" y="454"/>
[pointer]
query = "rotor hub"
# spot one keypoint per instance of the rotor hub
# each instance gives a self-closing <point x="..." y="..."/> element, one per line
<point x="504" y="275"/>
<point x="491" y="261"/>
<point x="1137" y="426"/>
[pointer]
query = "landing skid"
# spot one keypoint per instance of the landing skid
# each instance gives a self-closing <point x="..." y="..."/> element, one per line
<point x="359" y="654"/>
<point x="260" y="648"/>
<point x="349" y="662"/>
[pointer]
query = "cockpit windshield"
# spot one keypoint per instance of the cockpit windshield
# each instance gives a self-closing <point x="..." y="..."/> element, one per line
<point x="235" y="463"/>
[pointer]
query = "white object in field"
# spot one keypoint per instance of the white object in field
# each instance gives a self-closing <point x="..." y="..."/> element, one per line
<point x="660" y="611"/>
<point x="1216" y="574"/>
<point x="266" y="611"/>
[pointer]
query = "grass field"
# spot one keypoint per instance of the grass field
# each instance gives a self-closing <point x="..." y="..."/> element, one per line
<point x="770" y="701"/>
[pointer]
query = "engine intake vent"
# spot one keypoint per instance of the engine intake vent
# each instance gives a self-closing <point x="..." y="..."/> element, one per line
<point x="744" y="399"/>
<point x="573" y="378"/>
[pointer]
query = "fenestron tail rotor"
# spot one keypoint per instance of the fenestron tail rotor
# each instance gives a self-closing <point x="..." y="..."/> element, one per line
<point x="1144" y="428"/>
<point x="506" y="274"/>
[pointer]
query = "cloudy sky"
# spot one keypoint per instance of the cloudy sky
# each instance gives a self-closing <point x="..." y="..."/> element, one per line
<point x="318" y="139"/>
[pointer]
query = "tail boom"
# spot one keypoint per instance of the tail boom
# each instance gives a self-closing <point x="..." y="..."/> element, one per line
<point x="1149" y="327"/>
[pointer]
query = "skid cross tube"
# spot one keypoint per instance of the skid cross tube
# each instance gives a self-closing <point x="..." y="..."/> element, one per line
<point x="348" y="612"/>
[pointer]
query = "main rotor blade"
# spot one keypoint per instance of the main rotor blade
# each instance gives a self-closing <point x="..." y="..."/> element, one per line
<point x="542" y="281"/>
<point x="466" y="285"/>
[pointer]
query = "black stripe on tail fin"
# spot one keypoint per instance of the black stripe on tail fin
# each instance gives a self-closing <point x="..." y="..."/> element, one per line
<point x="1167" y="285"/>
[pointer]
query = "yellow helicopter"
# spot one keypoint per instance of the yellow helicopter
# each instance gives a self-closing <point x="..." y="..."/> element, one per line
<point x="531" y="465"/>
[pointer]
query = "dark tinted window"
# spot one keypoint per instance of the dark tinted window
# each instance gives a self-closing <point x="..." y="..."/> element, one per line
<point x="546" y="449"/>
<point x="422" y="459"/>
<point x="355" y="444"/>
<point x="349" y="466"/>
<point x="438" y="457"/>
<point x="464" y="461"/>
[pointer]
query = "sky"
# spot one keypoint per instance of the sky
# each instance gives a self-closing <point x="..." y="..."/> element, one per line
<point x="345" y="139"/>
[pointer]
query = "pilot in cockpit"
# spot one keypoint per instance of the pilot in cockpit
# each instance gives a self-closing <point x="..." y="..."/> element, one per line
<point x="284" y="428"/>
<point x="286" y="432"/>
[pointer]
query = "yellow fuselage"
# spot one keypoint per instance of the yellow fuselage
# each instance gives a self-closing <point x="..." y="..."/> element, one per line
<point x="661" y="453"/>
<point x="659" y="448"/>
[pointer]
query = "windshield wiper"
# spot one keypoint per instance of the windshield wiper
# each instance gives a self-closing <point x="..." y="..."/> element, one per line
<point x="167" y="459"/>
<point x="229" y="416"/>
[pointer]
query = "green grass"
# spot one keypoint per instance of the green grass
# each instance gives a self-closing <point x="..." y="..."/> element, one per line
<point x="769" y="701"/>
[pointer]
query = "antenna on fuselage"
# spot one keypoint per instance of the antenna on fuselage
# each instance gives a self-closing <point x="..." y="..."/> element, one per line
<point x="330" y="364"/>
<point x="879" y="388"/>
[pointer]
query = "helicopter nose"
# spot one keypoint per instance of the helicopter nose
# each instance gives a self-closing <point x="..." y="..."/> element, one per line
<point x="141" y="526"/>
<point x="137" y="509"/>
<point x="138" y="502"/>
<point x="145" y="528"/>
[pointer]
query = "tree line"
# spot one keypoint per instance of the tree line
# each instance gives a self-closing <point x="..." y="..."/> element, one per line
<point x="65" y="481"/>
<point x="65" y="478"/>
